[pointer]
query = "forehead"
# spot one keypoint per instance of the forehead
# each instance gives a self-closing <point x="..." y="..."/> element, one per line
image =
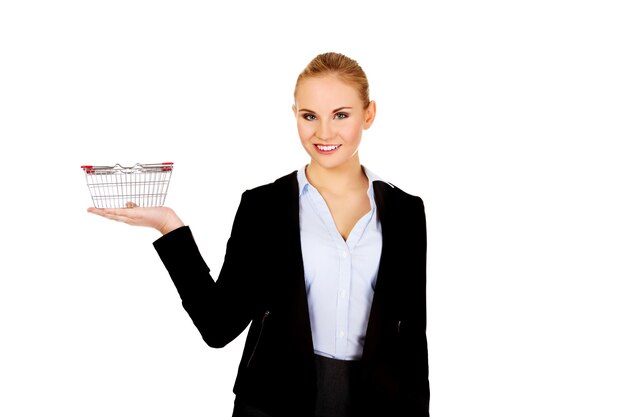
<point x="326" y="92"/>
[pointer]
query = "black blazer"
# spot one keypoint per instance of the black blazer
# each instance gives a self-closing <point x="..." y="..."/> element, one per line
<point x="262" y="280"/>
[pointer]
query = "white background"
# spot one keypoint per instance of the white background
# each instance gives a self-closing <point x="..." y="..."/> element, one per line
<point x="505" y="117"/>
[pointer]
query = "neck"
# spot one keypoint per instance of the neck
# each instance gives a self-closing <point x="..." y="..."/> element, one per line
<point x="344" y="178"/>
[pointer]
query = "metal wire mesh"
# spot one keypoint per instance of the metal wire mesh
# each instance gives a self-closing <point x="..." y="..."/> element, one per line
<point x="143" y="184"/>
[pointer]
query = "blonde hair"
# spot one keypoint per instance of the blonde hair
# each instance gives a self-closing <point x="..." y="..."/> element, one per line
<point x="339" y="65"/>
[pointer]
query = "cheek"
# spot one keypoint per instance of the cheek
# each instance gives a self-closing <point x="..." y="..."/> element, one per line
<point x="352" y="132"/>
<point x="304" y="131"/>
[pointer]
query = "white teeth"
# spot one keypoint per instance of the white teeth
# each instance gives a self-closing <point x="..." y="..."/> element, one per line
<point x="327" y="148"/>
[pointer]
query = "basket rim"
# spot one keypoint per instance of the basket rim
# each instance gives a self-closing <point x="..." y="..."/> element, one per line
<point x="121" y="169"/>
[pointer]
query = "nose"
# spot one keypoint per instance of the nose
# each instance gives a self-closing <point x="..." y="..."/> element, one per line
<point x="324" y="131"/>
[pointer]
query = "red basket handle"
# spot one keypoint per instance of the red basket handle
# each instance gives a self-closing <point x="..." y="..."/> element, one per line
<point x="88" y="169"/>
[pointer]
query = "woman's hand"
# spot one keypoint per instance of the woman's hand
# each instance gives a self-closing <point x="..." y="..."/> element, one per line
<point x="163" y="219"/>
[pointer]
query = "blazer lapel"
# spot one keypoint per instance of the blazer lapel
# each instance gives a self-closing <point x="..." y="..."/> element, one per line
<point x="300" y="304"/>
<point x="383" y="197"/>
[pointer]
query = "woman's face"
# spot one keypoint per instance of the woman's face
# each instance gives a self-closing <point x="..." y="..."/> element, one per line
<point x="331" y="120"/>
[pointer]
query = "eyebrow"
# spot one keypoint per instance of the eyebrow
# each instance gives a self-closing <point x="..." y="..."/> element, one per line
<point x="334" y="111"/>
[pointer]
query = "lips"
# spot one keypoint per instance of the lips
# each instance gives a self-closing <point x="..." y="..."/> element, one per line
<point x="326" y="149"/>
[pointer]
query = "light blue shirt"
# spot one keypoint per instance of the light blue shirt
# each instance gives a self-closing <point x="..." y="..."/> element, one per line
<point x="340" y="275"/>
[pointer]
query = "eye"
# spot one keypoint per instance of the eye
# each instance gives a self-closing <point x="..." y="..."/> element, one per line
<point x="341" y="115"/>
<point x="308" y="116"/>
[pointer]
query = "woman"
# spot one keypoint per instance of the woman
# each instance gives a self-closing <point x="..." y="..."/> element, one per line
<point x="329" y="264"/>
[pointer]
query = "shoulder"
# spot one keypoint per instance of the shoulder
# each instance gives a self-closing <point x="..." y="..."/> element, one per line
<point x="267" y="198"/>
<point x="391" y="193"/>
<point x="282" y="185"/>
<point x="399" y="210"/>
<point x="385" y="190"/>
<point x="262" y="205"/>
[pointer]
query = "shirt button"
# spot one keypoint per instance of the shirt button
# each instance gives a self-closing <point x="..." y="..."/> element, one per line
<point x="342" y="334"/>
<point x="344" y="254"/>
<point x="342" y="293"/>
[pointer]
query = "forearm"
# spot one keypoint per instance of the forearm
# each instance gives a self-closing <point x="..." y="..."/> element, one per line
<point x="219" y="311"/>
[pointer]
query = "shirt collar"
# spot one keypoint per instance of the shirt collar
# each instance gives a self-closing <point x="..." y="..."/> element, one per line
<point x="303" y="182"/>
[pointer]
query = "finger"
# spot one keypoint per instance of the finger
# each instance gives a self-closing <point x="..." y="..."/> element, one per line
<point x="115" y="217"/>
<point x="113" y="214"/>
<point x="107" y="211"/>
<point x="94" y="210"/>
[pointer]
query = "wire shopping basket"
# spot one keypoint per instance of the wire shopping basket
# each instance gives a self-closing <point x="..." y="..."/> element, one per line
<point x="143" y="184"/>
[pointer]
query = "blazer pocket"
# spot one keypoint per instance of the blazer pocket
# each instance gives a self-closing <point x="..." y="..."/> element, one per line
<point x="405" y="335"/>
<point x="258" y="340"/>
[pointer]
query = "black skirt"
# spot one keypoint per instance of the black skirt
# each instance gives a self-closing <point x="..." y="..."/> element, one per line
<point x="339" y="391"/>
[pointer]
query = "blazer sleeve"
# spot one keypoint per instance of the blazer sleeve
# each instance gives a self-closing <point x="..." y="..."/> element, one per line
<point x="416" y="328"/>
<point x="411" y="327"/>
<point x="220" y="309"/>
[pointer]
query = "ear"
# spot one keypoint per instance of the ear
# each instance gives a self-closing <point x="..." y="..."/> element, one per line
<point x="370" y="114"/>
<point x="295" y="110"/>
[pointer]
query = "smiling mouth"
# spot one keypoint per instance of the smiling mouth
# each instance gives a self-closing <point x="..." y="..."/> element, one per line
<point x="327" y="148"/>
